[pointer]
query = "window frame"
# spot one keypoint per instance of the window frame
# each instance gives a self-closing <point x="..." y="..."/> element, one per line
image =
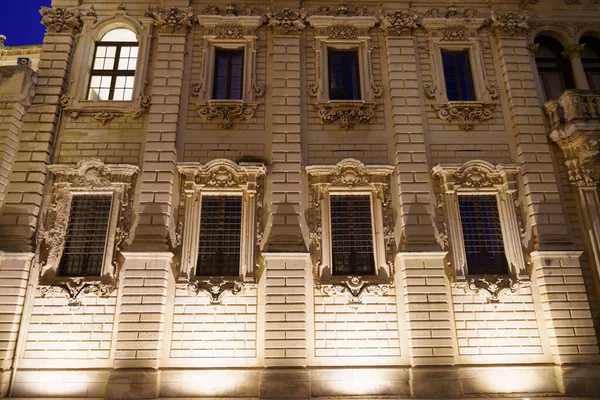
<point x="478" y="177"/>
<point x="88" y="177"/>
<point x="220" y="177"/>
<point x="351" y="177"/>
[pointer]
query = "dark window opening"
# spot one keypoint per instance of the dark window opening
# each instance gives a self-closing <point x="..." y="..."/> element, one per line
<point x="458" y="76"/>
<point x="220" y="234"/>
<point x="85" y="240"/>
<point x="591" y="61"/>
<point x="229" y="74"/>
<point x="482" y="235"/>
<point x="344" y="80"/>
<point x="352" y="235"/>
<point x="554" y="69"/>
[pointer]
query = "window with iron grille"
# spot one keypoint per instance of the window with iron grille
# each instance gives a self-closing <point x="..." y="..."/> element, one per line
<point x="458" y="76"/>
<point x="482" y="234"/>
<point x="220" y="234"/>
<point x="352" y="235"/>
<point x="85" y="241"/>
<point x="229" y="74"/>
<point x="113" y="71"/>
<point x="344" y="81"/>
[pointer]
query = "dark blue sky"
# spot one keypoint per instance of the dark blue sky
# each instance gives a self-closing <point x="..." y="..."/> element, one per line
<point x="20" y="21"/>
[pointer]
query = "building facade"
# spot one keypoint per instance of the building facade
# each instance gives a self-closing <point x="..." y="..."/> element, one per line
<point x="296" y="200"/>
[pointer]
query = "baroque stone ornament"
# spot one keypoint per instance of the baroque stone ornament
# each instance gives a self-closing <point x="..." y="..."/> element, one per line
<point x="286" y="21"/>
<point x="75" y="290"/>
<point x="347" y="113"/>
<point x="355" y="289"/>
<point x="574" y="50"/>
<point x="510" y="23"/>
<point x="61" y="19"/>
<point x="226" y="112"/>
<point x="215" y="288"/>
<point x="466" y="113"/>
<point x="429" y="90"/>
<point x="173" y="20"/>
<point x="492" y="288"/>
<point x="494" y="91"/>
<point x="398" y="23"/>
<point x="107" y="114"/>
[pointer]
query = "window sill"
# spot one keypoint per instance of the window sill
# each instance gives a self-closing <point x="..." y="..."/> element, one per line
<point x="215" y="287"/>
<point x="492" y="287"/>
<point x="466" y="113"/>
<point x="348" y="112"/>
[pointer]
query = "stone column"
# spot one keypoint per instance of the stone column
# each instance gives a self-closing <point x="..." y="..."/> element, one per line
<point x="24" y="194"/>
<point x="541" y="192"/>
<point x="156" y="200"/>
<point x="412" y="170"/>
<point x="573" y="53"/>
<point x="16" y="91"/>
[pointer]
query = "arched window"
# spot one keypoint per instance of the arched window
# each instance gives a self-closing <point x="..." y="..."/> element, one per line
<point x="113" y="70"/>
<point x="554" y="69"/>
<point x="591" y="61"/>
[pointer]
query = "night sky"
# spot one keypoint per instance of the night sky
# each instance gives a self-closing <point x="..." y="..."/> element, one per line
<point x="20" y="21"/>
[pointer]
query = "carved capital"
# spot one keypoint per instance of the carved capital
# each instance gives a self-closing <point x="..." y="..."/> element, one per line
<point x="173" y="20"/>
<point x="493" y="287"/>
<point x="574" y="50"/>
<point x="467" y="114"/>
<point x="398" y="23"/>
<point x="510" y="23"/>
<point x="346" y="112"/>
<point x="287" y="21"/>
<point x="61" y="19"/>
<point x="226" y="112"/>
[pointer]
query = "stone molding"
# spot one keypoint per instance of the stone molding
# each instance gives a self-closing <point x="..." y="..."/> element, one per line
<point x="172" y="20"/>
<point x="467" y="114"/>
<point x="226" y="112"/>
<point x="104" y="111"/>
<point x="221" y="176"/>
<point x="346" y="112"/>
<point x="286" y="21"/>
<point x="61" y="19"/>
<point x="493" y="287"/>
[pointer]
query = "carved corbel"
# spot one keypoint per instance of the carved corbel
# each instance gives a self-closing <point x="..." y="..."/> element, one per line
<point x="215" y="289"/>
<point x="75" y="290"/>
<point x="347" y="113"/>
<point x="492" y="288"/>
<point x="467" y="114"/>
<point x="226" y="112"/>
<point x="355" y="289"/>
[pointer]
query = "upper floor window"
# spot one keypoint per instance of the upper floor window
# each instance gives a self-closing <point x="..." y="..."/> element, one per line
<point x="554" y="69"/>
<point x="229" y="74"/>
<point x="85" y="239"/>
<point x="113" y="70"/>
<point x="352" y="235"/>
<point x="591" y="61"/>
<point x="220" y="236"/>
<point x="482" y="234"/>
<point x="458" y="76"/>
<point x="344" y="78"/>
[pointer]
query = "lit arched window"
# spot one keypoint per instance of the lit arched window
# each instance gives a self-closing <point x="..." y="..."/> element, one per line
<point x="591" y="61"/>
<point x="113" y="70"/>
<point x="554" y="69"/>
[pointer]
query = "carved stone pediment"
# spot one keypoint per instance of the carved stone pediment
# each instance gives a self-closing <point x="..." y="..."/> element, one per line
<point x="226" y="112"/>
<point x="475" y="174"/>
<point x="61" y="19"/>
<point x="355" y="289"/>
<point x="347" y="113"/>
<point x="215" y="288"/>
<point x="223" y="174"/>
<point x="286" y="21"/>
<point x="398" y="23"/>
<point x="492" y="288"/>
<point x="467" y="114"/>
<point x="76" y="289"/>
<point x="172" y="20"/>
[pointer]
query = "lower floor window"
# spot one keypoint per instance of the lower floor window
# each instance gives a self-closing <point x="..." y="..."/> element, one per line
<point x="482" y="234"/>
<point x="220" y="235"/>
<point x="352" y="235"/>
<point x="85" y="240"/>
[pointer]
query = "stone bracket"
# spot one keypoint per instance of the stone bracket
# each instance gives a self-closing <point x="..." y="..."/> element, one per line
<point x="76" y="289"/>
<point x="347" y="112"/>
<point x="226" y="112"/>
<point x="354" y="289"/>
<point x="215" y="288"/>
<point x="467" y="114"/>
<point x="493" y="287"/>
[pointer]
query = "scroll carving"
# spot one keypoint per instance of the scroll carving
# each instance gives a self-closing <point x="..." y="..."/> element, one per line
<point x="215" y="289"/>
<point x="510" y="23"/>
<point x="287" y="21"/>
<point x="173" y="20"/>
<point x="467" y="114"/>
<point x="355" y="289"/>
<point x="493" y="287"/>
<point x="61" y="19"/>
<point x="226" y="113"/>
<point x="347" y="113"/>
<point x="399" y="23"/>
<point x="75" y="290"/>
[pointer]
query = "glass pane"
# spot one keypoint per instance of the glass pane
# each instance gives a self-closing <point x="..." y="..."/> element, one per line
<point x="220" y="235"/>
<point x="119" y="35"/>
<point x="118" y="95"/>
<point x="352" y="235"/>
<point x="86" y="236"/>
<point x="109" y="63"/>
<point x="482" y="233"/>
<point x="127" y="94"/>
<point x="111" y="51"/>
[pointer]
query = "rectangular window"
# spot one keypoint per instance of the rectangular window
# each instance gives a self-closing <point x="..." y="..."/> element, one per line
<point x="228" y="74"/>
<point x="352" y="235"/>
<point x="482" y="235"/>
<point x="85" y="240"/>
<point x="220" y="234"/>
<point x="458" y="76"/>
<point x="113" y="72"/>
<point x="344" y="81"/>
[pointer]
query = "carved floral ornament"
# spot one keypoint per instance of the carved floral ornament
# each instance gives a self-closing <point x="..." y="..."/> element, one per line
<point x="398" y="23"/>
<point x="347" y="113"/>
<point x="215" y="289"/>
<point x="75" y="290"/>
<point x="351" y="175"/>
<point x="287" y="21"/>
<point x="467" y="114"/>
<point x="172" y="20"/>
<point x="492" y="288"/>
<point x="88" y="176"/>
<point x="475" y="175"/>
<point x="105" y="114"/>
<point x="61" y="19"/>
<point x="226" y="112"/>
<point x="510" y="23"/>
